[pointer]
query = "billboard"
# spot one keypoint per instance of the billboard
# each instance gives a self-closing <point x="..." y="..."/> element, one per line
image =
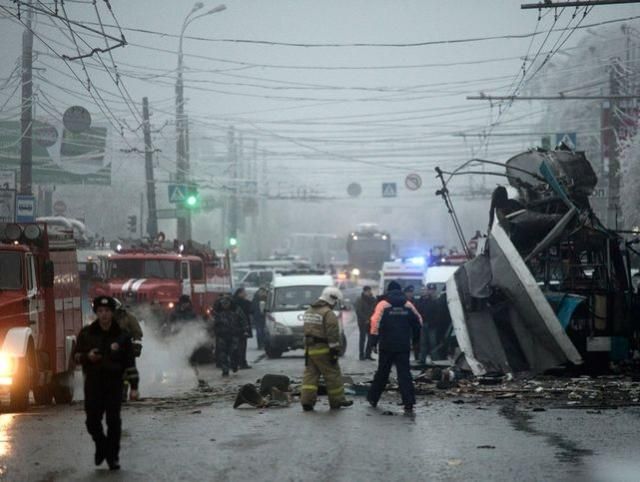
<point x="59" y="156"/>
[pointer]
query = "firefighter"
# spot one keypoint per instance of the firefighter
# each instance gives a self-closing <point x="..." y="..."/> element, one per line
<point x="229" y="326"/>
<point x="104" y="350"/>
<point x="322" y="349"/>
<point x="129" y="323"/>
<point x="396" y="323"/>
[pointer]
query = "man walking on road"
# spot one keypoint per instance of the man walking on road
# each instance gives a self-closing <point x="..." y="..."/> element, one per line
<point x="322" y="349"/>
<point x="396" y="323"/>
<point x="427" y="306"/>
<point x="259" y="318"/>
<point x="105" y="352"/>
<point x="244" y="307"/>
<point x="229" y="326"/>
<point x="364" y="306"/>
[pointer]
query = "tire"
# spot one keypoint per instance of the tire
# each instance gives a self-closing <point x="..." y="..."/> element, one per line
<point x="43" y="395"/>
<point x="271" y="351"/>
<point x="19" y="392"/>
<point x="63" y="388"/>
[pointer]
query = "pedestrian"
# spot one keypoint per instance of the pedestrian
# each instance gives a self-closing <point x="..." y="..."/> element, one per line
<point x="104" y="351"/>
<point x="322" y="349"/>
<point x="244" y="306"/>
<point x="229" y="326"/>
<point x="259" y="318"/>
<point x="427" y="306"/>
<point x="129" y="323"/>
<point x="364" y="306"/>
<point x="409" y="292"/>
<point x="396" y="323"/>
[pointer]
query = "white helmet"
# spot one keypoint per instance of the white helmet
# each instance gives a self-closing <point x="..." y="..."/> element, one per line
<point x="331" y="295"/>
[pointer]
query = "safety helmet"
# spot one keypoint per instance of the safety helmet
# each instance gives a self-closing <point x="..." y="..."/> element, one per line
<point x="331" y="295"/>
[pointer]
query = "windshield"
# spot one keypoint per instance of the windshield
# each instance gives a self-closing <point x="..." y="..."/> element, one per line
<point x="10" y="271"/>
<point x="295" y="298"/>
<point x="144" y="268"/>
<point x="239" y="274"/>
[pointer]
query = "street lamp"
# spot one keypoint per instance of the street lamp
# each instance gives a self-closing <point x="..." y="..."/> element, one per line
<point x="182" y="163"/>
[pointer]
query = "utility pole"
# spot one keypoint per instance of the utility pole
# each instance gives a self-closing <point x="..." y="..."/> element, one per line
<point x="181" y="155"/>
<point x="141" y="214"/>
<point x="152" y="216"/>
<point x="233" y="205"/>
<point x="26" y="115"/>
<point x="611" y="131"/>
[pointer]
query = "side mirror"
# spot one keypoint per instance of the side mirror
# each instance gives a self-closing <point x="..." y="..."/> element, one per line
<point x="48" y="274"/>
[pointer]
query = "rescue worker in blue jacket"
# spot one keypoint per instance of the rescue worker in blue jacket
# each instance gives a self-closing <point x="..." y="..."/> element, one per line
<point x="396" y="323"/>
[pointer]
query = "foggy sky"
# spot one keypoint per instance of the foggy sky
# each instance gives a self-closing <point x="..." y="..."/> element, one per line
<point x="317" y="143"/>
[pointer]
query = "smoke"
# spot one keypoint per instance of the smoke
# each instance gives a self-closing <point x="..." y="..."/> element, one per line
<point x="164" y="364"/>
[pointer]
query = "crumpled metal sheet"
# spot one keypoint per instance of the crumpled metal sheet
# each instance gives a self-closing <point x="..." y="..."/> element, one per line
<point x="521" y="333"/>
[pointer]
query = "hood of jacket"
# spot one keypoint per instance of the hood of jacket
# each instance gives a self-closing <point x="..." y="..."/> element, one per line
<point x="396" y="298"/>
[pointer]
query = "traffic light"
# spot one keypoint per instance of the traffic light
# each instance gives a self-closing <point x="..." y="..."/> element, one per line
<point x="233" y="241"/>
<point x="132" y="223"/>
<point x="192" y="200"/>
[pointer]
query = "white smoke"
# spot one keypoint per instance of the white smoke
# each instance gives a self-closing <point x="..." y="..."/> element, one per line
<point x="164" y="364"/>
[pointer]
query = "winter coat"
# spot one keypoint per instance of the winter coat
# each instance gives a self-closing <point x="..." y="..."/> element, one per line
<point x="245" y="306"/>
<point x="321" y="325"/>
<point x="114" y="345"/>
<point x="259" y="318"/>
<point x="396" y="322"/>
<point x="230" y="323"/>
<point x="364" y="306"/>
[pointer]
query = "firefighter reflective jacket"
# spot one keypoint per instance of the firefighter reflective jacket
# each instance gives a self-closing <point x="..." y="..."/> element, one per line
<point x="321" y="325"/>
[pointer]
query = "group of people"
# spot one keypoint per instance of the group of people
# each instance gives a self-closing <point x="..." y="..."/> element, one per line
<point x="433" y="312"/>
<point x="394" y="324"/>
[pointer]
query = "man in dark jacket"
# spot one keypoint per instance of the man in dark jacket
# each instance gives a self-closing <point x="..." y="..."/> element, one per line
<point x="364" y="306"/>
<point x="259" y="318"/>
<point x="396" y="323"/>
<point x="244" y="306"/>
<point x="229" y="326"/>
<point x="427" y="306"/>
<point x="104" y="350"/>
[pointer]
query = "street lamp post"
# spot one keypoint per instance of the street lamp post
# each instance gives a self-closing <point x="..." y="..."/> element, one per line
<point x="182" y="163"/>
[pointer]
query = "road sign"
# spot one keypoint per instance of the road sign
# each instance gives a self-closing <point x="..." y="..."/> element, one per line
<point x="413" y="182"/>
<point x="7" y="179"/>
<point x="59" y="207"/>
<point x="570" y="139"/>
<point x="354" y="189"/>
<point x="389" y="189"/>
<point x="7" y="205"/>
<point x="177" y="193"/>
<point x="25" y="208"/>
<point x="76" y="119"/>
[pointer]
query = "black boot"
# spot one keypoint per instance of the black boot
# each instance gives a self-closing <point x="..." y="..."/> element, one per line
<point x="100" y="454"/>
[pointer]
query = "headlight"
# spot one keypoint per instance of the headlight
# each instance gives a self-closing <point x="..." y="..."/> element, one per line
<point x="7" y="365"/>
<point x="171" y="305"/>
<point x="281" y="329"/>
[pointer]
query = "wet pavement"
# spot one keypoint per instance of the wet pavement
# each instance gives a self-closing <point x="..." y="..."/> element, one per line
<point x="185" y="433"/>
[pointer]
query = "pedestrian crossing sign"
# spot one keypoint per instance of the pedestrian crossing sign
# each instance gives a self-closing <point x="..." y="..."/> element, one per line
<point x="389" y="189"/>
<point x="177" y="193"/>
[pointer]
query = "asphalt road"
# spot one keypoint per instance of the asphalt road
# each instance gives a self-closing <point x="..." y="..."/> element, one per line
<point x="186" y="434"/>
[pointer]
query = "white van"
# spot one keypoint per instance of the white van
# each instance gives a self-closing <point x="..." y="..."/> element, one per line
<point x="439" y="275"/>
<point x="410" y="272"/>
<point x="289" y="297"/>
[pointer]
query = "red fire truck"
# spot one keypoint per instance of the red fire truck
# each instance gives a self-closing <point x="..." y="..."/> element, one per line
<point x="40" y="312"/>
<point x="160" y="275"/>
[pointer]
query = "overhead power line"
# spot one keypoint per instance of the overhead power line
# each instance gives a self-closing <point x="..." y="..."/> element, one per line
<point x="585" y="3"/>
<point x="369" y="44"/>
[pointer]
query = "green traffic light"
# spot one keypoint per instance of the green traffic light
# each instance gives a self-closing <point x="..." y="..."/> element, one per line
<point x="233" y="241"/>
<point x="192" y="200"/>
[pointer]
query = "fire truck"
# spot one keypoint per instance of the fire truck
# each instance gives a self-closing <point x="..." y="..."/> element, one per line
<point x="159" y="275"/>
<point x="40" y="313"/>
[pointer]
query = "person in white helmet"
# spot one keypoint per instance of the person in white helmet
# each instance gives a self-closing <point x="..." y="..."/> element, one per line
<point x="322" y="349"/>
